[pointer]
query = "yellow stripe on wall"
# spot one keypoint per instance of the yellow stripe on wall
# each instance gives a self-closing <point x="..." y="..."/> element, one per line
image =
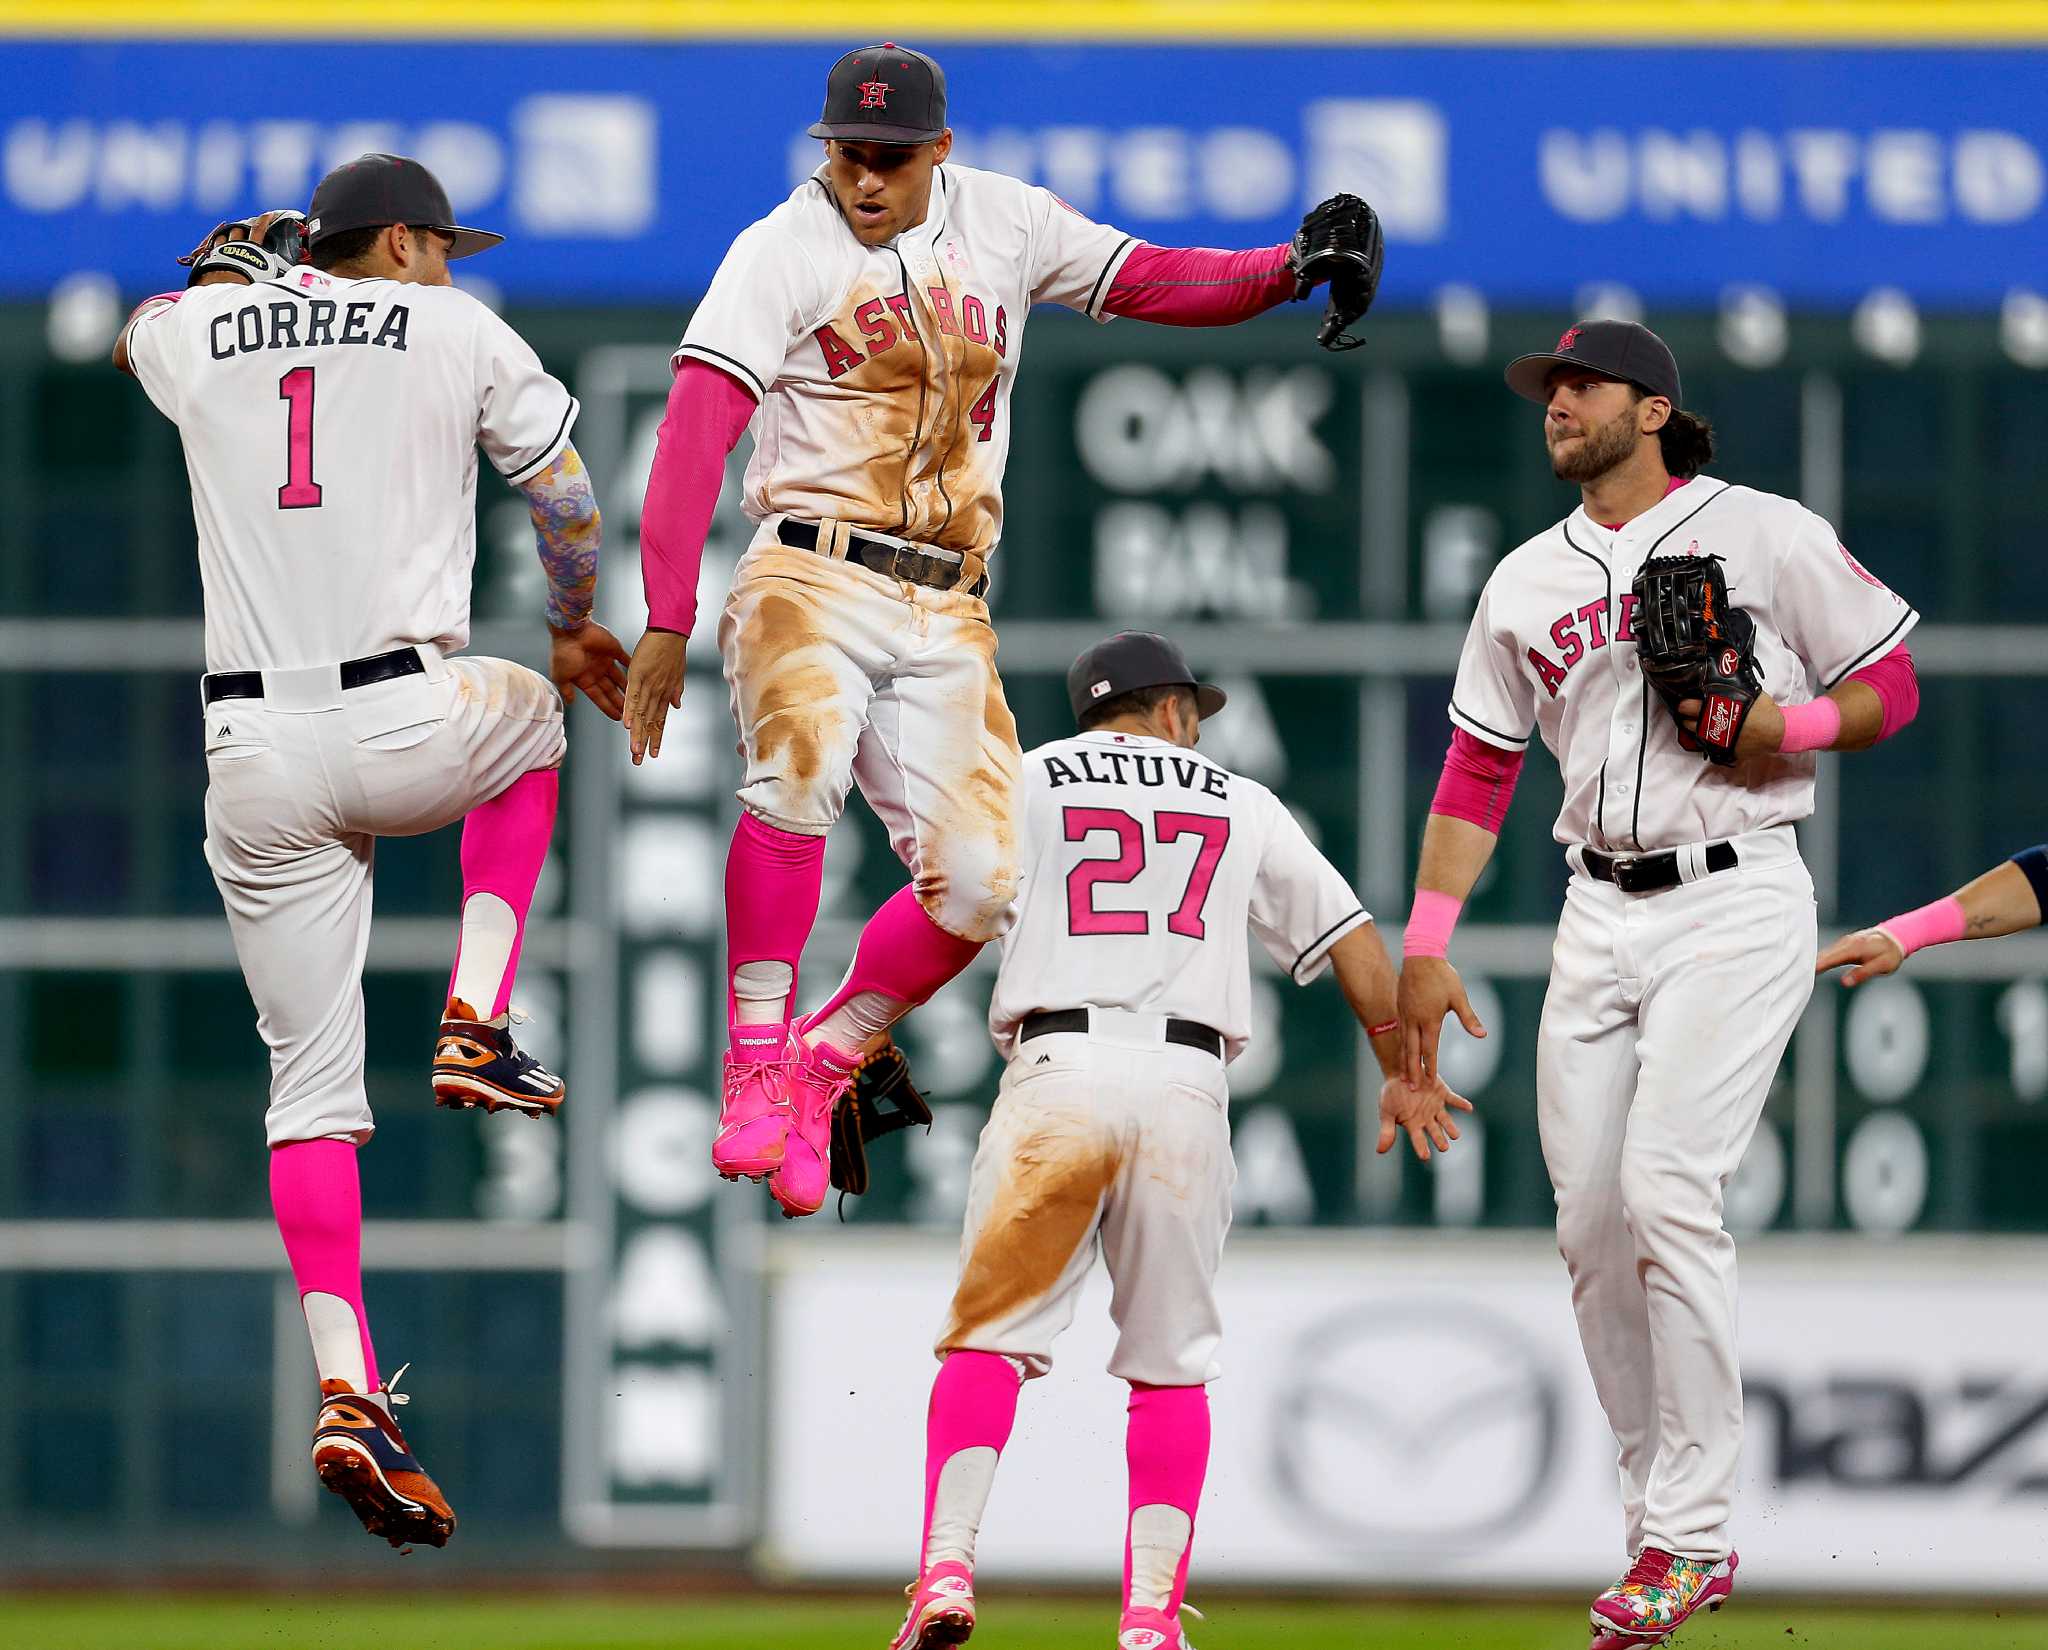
<point x="1549" y="22"/>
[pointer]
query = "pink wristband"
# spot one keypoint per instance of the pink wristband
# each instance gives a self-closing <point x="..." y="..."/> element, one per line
<point x="1811" y="727"/>
<point x="1935" y="924"/>
<point x="1430" y="924"/>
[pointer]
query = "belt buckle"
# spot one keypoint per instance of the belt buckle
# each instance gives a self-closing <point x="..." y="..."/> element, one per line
<point x="1624" y="868"/>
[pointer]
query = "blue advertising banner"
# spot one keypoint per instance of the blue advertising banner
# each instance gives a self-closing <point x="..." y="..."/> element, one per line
<point x="620" y="172"/>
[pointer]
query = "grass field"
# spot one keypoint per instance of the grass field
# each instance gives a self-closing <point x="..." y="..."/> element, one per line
<point x="288" y="1622"/>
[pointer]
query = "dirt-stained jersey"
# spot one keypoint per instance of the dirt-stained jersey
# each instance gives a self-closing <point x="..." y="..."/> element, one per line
<point x="330" y="430"/>
<point x="1552" y="653"/>
<point x="884" y="372"/>
<point x="1143" y="866"/>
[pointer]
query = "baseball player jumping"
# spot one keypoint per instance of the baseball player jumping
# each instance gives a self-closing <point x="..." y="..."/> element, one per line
<point x="1124" y="992"/>
<point x="1683" y="647"/>
<point x="330" y="413"/>
<point x="2004" y="900"/>
<point x="868" y="331"/>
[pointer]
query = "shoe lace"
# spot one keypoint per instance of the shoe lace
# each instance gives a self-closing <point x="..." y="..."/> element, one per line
<point x="1652" y="1568"/>
<point x="391" y="1395"/>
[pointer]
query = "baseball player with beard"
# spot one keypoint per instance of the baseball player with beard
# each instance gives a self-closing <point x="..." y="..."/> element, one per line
<point x="1686" y="949"/>
<point x="330" y="411"/>
<point x="2004" y="900"/>
<point x="868" y="331"/>
<point x="1124" y="993"/>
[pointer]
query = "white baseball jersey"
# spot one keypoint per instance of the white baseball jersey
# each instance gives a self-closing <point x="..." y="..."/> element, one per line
<point x="330" y="430"/>
<point x="1551" y="652"/>
<point x="884" y="372"/>
<point x="1143" y="864"/>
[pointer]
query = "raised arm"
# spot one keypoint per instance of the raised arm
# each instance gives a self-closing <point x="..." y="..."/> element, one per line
<point x="2003" y="900"/>
<point x="708" y="412"/>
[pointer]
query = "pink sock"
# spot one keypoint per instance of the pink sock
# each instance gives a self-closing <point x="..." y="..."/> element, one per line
<point x="504" y="842"/>
<point x="973" y="1407"/>
<point x="772" y="883"/>
<point x="1167" y="1446"/>
<point x="902" y="958"/>
<point x="318" y="1201"/>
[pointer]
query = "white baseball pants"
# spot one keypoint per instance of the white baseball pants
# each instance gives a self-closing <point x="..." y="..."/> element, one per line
<point x="1665" y="1020"/>
<point x="1117" y="1140"/>
<point x="300" y="783"/>
<point x="840" y="675"/>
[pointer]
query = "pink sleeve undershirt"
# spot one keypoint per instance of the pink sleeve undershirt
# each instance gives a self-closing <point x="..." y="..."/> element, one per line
<point x="708" y="412"/>
<point x="1199" y="286"/>
<point x="1897" y="685"/>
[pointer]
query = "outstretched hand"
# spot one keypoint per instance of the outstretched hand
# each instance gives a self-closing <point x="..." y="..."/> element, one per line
<point x="654" y="687"/>
<point x="1871" y="950"/>
<point x="1425" y="1113"/>
<point x="1429" y="990"/>
<point x="589" y="657"/>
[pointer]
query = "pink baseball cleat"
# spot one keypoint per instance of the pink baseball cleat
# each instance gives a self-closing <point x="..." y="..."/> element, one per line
<point x="941" y="1609"/>
<point x="1658" y="1595"/>
<point x="753" y="1116"/>
<point x="816" y="1079"/>
<point x="1143" y="1629"/>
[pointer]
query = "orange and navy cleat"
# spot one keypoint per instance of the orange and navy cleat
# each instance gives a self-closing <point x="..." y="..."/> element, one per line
<point x="361" y="1455"/>
<point x="476" y="1063"/>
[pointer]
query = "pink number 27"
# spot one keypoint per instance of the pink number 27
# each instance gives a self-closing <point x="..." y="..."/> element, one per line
<point x="1085" y="917"/>
<point x="300" y="491"/>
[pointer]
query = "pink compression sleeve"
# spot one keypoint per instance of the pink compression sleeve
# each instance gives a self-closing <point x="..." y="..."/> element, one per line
<point x="1199" y="286"/>
<point x="708" y="411"/>
<point x="1478" y="781"/>
<point x="1896" y="683"/>
<point x="1938" y="924"/>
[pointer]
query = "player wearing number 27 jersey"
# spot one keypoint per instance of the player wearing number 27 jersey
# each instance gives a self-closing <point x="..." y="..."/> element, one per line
<point x="331" y="411"/>
<point x="1124" y="993"/>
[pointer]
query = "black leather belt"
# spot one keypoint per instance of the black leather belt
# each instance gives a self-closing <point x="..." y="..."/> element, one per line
<point x="892" y="561"/>
<point x="1646" y="873"/>
<point x="1188" y="1033"/>
<point x="355" y="673"/>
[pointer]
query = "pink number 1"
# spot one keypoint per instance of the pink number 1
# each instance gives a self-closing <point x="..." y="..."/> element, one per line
<point x="300" y="491"/>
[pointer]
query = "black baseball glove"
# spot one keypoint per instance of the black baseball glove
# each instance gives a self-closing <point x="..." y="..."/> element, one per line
<point x="1339" y="242"/>
<point x="1694" y="645"/>
<point x="258" y="249"/>
<point x="881" y="1101"/>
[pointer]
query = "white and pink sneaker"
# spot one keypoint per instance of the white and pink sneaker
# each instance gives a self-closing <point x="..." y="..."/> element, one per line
<point x="1143" y="1629"/>
<point x="941" y="1609"/>
<point x="753" y="1111"/>
<point x="816" y="1078"/>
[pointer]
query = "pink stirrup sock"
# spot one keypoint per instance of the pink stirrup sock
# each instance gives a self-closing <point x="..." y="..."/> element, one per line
<point x="318" y="1201"/>
<point x="902" y="958"/>
<point x="973" y="1408"/>
<point x="504" y="842"/>
<point x="1167" y="1446"/>
<point x="773" y="880"/>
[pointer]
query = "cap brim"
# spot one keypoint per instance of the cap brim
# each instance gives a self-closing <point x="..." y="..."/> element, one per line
<point x="1529" y="375"/>
<point x="469" y="241"/>
<point x="1209" y="700"/>
<point x="854" y="133"/>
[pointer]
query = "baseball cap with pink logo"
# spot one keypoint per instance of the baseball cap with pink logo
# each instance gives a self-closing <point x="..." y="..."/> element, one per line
<point x="1625" y="350"/>
<point x="883" y="94"/>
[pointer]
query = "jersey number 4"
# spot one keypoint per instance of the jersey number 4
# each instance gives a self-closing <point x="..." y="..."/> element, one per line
<point x="300" y="491"/>
<point x="1082" y="915"/>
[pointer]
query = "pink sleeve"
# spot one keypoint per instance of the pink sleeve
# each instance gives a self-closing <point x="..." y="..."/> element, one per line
<point x="1198" y="286"/>
<point x="1478" y="781"/>
<point x="1897" y="686"/>
<point x="708" y="411"/>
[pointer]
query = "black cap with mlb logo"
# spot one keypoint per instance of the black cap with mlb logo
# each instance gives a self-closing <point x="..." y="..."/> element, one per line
<point x="374" y="190"/>
<point x="1615" y="349"/>
<point x="884" y="94"/>
<point x="1131" y="660"/>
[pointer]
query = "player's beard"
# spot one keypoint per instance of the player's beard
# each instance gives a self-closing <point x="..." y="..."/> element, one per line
<point x="1600" y="448"/>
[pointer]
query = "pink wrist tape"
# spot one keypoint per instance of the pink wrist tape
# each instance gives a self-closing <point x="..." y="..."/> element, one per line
<point x="1811" y="727"/>
<point x="708" y="412"/>
<point x="1199" y="286"/>
<point x="1935" y="924"/>
<point x="1430" y="923"/>
<point x="1478" y="781"/>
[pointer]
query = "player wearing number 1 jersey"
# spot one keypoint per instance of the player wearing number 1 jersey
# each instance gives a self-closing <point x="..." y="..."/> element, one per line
<point x="869" y="330"/>
<point x="331" y="413"/>
<point x="1124" y="993"/>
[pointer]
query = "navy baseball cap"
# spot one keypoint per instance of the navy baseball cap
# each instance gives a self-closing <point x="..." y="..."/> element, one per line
<point x="883" y="94"/>
<point x="1131" y="660"/>
<point x="374" y="190"/>
<point x="1625" y="350"/>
